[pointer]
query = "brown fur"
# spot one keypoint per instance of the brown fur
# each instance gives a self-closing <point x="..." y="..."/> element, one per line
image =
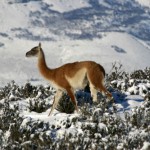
<point x="71" y="76"/>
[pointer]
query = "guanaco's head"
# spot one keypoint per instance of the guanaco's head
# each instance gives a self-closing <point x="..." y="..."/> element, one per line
<point x="34" y="52"/>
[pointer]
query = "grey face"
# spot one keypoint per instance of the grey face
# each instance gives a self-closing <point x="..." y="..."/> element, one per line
<point x="33" y="52"/>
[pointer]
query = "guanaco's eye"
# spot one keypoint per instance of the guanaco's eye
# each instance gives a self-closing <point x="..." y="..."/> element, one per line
<point x="33" y="50"/>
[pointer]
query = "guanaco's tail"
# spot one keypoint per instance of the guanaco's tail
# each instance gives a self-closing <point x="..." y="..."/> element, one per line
<point x="102" y="69"/>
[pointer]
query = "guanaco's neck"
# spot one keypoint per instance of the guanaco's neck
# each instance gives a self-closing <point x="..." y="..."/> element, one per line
<point x="44" y="70"/>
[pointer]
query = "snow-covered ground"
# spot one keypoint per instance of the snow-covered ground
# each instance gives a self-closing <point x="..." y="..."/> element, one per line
<point x="90" y="120"/>
<point x="130" y="103"/>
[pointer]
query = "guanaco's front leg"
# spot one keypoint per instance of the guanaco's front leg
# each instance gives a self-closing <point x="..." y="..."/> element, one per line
<point x="71" y="94"/>
<point x="57" y="97"/>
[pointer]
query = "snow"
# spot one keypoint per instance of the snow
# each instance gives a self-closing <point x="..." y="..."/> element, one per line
<point x="7" y="134"/>
<point x="25" y="121"/>
<point x="146" y="146"/>
<point x="128" y="105"/>
<point x="144" y="2"/>
<point x="8" y="18"/>
<point x="120" y="146"/>
<point x="102" y="126"/>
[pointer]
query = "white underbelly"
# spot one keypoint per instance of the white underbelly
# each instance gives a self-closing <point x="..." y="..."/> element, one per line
<point x="79" y="80"/>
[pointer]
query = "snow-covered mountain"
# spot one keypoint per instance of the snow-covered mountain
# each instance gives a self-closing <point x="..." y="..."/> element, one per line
<point x="101" y="30"/>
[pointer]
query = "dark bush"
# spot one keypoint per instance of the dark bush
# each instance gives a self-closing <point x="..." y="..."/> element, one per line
<point x="65" y="104"/>
<point x="141" y="74"/>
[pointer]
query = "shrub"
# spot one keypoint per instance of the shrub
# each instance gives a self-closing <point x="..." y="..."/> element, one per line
<point x="38" y="105"/>
<point x="65" y="104"/>
<point x="97" y="126"/>
<point x="141" y="74"/>
<point x="116" y="73"/>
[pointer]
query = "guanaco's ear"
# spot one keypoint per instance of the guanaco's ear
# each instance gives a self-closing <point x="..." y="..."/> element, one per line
<point x="39" y="44"/>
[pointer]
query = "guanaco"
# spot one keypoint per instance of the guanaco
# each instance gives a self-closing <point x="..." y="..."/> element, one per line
<point x="71" y="76"/>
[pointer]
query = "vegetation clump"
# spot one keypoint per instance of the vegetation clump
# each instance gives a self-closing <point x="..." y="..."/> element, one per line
<point x="97" y="127"/>
<point x="65" y="105"/>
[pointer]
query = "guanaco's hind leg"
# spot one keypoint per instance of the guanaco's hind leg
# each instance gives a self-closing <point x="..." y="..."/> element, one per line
<point x="96" y="77"/>
<point x="103" y="89"/>
<point x="71" y="94"/>
<point x="93" y="92"/>
<point x="57" y="97"/>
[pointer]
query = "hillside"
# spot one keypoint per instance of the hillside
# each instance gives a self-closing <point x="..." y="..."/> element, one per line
<point x="102" y="31"/>
<point x="126" y="50"/>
